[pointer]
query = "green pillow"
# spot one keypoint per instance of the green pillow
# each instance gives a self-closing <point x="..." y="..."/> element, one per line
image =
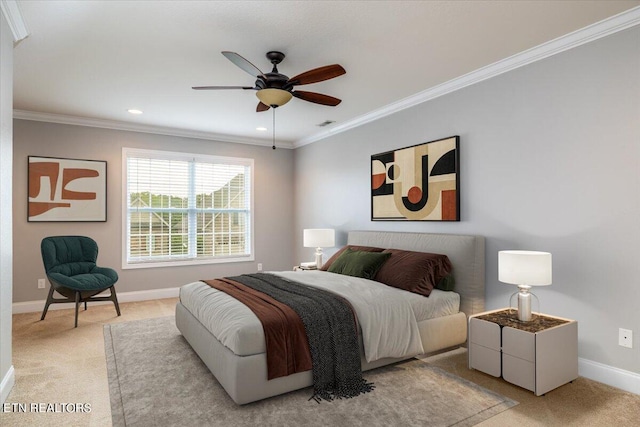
<point x="447" y="283"/>
<point x="359" y="263"/>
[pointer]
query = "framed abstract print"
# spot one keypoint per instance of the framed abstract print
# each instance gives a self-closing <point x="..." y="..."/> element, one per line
<point x="417" y="183"/>
<point x="66" y="190"/>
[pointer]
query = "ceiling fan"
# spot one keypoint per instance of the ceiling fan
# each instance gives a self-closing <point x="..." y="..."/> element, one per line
<point x="275" y="89"/>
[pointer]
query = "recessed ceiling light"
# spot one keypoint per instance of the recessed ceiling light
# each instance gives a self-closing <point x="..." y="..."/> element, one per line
<point x="261" y="128"/>
<point x="134" y="111"/>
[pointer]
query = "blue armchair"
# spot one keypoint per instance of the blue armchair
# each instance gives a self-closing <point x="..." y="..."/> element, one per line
<point x="70" y="265"/>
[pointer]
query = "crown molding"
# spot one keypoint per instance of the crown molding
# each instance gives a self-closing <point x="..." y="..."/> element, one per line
<point x="606" y="27"/>
<point x="11" y="12"/>
<point x="136" y="127"/>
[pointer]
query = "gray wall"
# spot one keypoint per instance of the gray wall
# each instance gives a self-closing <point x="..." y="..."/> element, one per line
<point x="550" y="160"/>
<point x="273" y="205"/>
<point x="6" y="146"/>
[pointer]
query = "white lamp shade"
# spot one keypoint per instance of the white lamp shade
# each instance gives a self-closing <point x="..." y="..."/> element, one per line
<point x="526" y="268"/>
<point x="319" y="238"/>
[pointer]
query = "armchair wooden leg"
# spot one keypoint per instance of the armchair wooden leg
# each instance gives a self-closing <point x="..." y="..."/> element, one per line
<point x="85" y="306"/>
<point x="114" y="298"/>
<point x="77" y="304"/>
<point x="46" y="305"/>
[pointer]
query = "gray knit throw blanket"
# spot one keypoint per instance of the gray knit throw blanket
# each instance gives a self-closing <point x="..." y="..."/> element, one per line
<point x="331" y="330"/>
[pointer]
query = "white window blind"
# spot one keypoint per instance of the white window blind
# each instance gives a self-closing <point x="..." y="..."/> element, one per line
<point x="183" y="208"/>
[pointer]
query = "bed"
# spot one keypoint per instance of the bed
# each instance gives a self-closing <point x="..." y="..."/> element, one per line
<point x="240" y="366"/>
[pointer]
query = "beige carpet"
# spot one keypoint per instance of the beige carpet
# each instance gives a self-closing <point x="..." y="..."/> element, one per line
<point x="156" y="379"/>
<point x="55" y="362"/>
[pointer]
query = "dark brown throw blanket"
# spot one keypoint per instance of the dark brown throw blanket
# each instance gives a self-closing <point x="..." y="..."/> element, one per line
<point x="285" y="338"/>
<point x="330" y="328"/>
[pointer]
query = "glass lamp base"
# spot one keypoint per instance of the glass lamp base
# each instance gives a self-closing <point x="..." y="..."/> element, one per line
<point x="318" y="258"/>
<point x="524" y="303"/>
<point x="524" y="306"/>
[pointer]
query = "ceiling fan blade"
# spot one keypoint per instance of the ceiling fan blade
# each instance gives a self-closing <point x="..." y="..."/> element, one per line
<point x="262" y="107"/>
<point x="317" y="75"/>
<point x="243" y="63"/>
<point x="221" y="87"/>
<point x="317" y="98"/>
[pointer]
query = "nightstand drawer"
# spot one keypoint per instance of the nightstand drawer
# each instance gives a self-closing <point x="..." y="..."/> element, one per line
<point x="487" y="334"/>
<point x="484" y="359"/>
<point x="519" y="372"/>
<point x="520" y="344"/>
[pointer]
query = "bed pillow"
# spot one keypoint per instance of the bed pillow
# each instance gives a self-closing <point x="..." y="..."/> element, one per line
<point x="416" y="272"/>
<point x="363" y="264"/>
<point x="326" y="265"/>
<point x="447" y="283"/>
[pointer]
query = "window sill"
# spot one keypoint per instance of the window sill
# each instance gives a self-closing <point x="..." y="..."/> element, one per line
<point x="182" y="263"/>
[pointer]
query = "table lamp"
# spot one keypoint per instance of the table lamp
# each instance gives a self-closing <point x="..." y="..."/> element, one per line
<point x="319" y="238"/>
<point x="524" y="269"/>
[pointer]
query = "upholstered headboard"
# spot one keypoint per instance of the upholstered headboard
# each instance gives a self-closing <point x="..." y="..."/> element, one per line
<point x="465" y="252"/>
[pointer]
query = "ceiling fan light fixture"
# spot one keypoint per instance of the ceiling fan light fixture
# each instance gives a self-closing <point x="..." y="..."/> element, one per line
<point x="274" y="97"/>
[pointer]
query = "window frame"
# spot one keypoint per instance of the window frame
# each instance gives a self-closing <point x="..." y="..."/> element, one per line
<point x="189" y="157"/>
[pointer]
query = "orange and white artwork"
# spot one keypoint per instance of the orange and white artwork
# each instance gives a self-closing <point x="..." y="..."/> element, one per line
<point x="67" y="189"/>
<point x="418" y="183"/>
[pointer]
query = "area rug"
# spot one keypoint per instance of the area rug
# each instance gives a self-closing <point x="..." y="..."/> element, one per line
<point x="156" y="379"/>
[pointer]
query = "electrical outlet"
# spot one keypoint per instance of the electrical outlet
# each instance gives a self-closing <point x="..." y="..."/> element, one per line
<point x="41" y="284"/>
<point x="625" y="338"/>
<point x="259" y="266"/>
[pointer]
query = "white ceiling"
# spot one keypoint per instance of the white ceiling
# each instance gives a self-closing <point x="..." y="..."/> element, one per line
<point x="96" y="59"/>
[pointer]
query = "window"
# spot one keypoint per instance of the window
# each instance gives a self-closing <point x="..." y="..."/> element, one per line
<point x="183" y="209"/>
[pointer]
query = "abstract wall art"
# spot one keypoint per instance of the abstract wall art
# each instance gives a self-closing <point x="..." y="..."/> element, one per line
<point x="417" y="183"/>
<point x="67" y="189"/>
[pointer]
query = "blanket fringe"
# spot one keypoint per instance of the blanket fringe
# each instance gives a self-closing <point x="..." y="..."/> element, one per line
<point x="331" y="395"/>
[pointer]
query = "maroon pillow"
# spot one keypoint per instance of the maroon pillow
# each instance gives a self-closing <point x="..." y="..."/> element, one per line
<point x="335" y="256"/>
<point x="416" y="272"/>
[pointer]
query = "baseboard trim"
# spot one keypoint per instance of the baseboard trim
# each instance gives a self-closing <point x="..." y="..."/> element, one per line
<point x="615" y="377"/>
<point x="7" y="384"/>
<point x="38" y="306"/>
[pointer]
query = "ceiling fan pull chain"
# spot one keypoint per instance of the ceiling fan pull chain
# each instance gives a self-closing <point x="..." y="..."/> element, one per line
<point x="274" y="128"/>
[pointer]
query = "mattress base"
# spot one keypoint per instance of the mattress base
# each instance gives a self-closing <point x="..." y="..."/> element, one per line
<point x="245" y="377"/>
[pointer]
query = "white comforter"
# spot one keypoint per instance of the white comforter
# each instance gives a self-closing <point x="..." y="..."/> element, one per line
<point x="386" y="318"/>
<point x="389" y="326"/>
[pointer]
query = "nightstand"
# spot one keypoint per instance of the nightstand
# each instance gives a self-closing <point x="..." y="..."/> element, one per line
<point x="539" y="355"/>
